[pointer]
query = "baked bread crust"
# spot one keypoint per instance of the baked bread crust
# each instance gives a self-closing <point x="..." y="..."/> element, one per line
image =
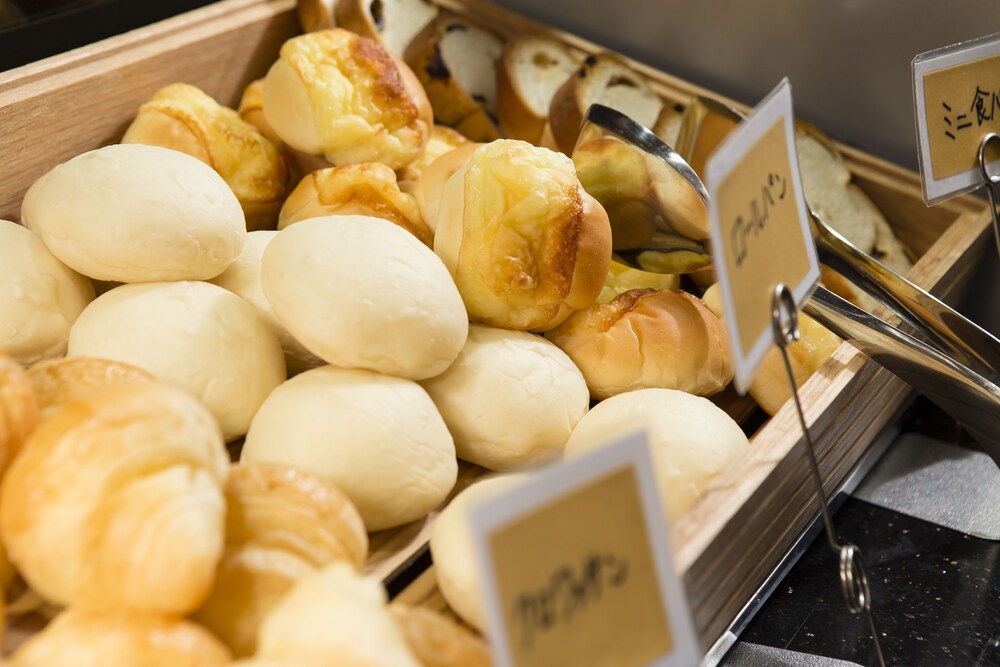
<point x="646" y="338"/>
<point x="19" y="409"/>
<point x="59" y="381"/>
<point x="369" y="188"/>
<point x="551" y="59"/>
<point x="438" y="641"/>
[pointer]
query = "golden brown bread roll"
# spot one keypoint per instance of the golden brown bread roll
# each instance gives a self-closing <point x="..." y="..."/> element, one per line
<point x="251" y="110"/>
<point x="334" y="617"/>
<point x="438" y="641"/>
<point x="120" y="639"/>
<point x="770" y="386"/>
<point x="647" y="338"/>
<point x="336" y="94"/>
<point x="443" y="140"/>
<point x="182" y="117"/>
<point x="60" y="381"/>
<point x="281" y="524"/>
<point x="19" y="409"/>
<point x="622" y="278"/>
<point x="432" y="181"/>
<point x="368" y="188"/>
<point x="524" y="242"/>
<point x="116" y="501"/>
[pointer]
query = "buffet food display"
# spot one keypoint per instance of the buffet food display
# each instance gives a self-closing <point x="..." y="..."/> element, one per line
<point x="240" y="343"/>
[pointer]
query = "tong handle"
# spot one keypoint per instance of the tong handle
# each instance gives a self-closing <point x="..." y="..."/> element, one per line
<point x="953" y="333"/>
<point x="973" y="400"/>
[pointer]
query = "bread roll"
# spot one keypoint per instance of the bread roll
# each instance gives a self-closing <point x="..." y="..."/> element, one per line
<point x="116" y="501"/>
<point x="510" y="400"/>
<point x="335" y="617"/>
<point x="455" y="560"/>
<point x="770" y="385"/>
<point x="691" y="439"/>
<point x="438" y="641"/>
<point x="60" y="381"/>
<point x="622" y="278"/>
<point x="251" y="110"/>
<point x="647" y="338"/>
<point x="430" y="187"/>
<point x="194" y="335"/>
<point x="456" y="62"/>
<point x="601" y="79"/>
<point x="242" y="278"/>
<point x="362" y="293"/>
<point x="393" y="22"/>
<point x="525" y="244"/>
<point x="182" y="117"/>
<point x="133" y="213"/>
<point x="40" y="299"/>
<point x="281" y="524"/>
<point x="355" y="189"/>
<point x="120" y="639"/>
<point x="19" y="409"/>
<point x="532" y="68"/>
<point x="379" y="439"/>
<point x="443" y="140"/>
<point x="336" y="94"/>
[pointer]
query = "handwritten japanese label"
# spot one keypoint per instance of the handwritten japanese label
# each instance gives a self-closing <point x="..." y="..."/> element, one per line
<point x="957" y="94"/>
<point x="760" y="229"/>
<point x="578" y="567"/>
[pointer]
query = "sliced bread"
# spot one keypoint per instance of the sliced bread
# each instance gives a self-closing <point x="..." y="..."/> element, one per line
<point x="457" y="62"/>
<point x="393" y="22"/>
<point x="668" y="125"/>
<point x="532" y="68"/>
<point x="601" y="79"/>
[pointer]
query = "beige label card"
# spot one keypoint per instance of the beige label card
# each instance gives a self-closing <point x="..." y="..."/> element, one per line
<point x="578" y="568"/>
<point x="760" y="228"/>
<point x="957" y="98"/>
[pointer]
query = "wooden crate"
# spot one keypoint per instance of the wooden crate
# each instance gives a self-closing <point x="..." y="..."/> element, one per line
<point x="751" y="513"/>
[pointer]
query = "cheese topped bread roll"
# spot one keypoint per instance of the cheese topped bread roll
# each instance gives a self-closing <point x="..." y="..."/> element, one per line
<point x="336" y="94"/>
<point x="525" y="243"/>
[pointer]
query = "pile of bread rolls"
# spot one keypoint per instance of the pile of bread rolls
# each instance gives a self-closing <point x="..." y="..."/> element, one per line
<point x="241" y="340"/>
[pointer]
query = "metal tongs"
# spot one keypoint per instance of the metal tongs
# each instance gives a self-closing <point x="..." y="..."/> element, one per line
<point x="658" y="207"/>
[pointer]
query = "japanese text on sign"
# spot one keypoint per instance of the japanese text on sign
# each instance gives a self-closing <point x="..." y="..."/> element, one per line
<point x="743" y="228"/>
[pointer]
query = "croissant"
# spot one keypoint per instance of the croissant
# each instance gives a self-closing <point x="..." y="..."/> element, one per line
<point x="438" y="641"/>
<point x="59" y="381"/>
<point x="19" y="411"/>
<point x="120" y="639"/>
<point x="281" y="524"/>
<point x="116" y="501"/>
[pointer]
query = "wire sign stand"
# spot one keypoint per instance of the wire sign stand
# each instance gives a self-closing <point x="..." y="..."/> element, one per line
<point x="853" y="580"/>
<point x="990" y="181"/>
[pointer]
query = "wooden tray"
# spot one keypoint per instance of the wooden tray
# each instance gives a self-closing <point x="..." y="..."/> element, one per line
<point x="751" y="513"/>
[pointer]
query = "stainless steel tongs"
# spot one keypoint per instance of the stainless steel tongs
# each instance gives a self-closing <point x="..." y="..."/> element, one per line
<point x="658" y="208"/>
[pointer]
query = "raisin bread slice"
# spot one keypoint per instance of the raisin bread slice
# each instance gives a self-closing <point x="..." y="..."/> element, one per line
<point x="532" y="69"/>
<point x="393" y="22"/>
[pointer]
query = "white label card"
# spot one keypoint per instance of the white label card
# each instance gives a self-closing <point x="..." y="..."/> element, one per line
<point x="577" y="567"/>
<point x="956" y="96"/>
<point x="760" y="228"/>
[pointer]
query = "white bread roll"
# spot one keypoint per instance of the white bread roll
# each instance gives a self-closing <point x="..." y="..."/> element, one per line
<point x="511" y="399"/>
<point x="334" y="617"/>
<point x="361" y="292"/>
<point x="242" y="278"/>
<point x="455" y="561"/>
<point x="134" y="213"/>
<point x="40" y="297"/>
<point x="647" y="338"/>
<point x="691" y="439"/>
<point x="379" y="439"/>
<point x="194" y="335"/>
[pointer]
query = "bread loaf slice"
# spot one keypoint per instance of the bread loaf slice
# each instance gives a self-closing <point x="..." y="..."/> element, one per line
<point x="602" y="79"/>
<point x="393" y="22"/>
<point x="668" y="125"/>
<point x="532" y="68"/>
<point x="456" y="62"/>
